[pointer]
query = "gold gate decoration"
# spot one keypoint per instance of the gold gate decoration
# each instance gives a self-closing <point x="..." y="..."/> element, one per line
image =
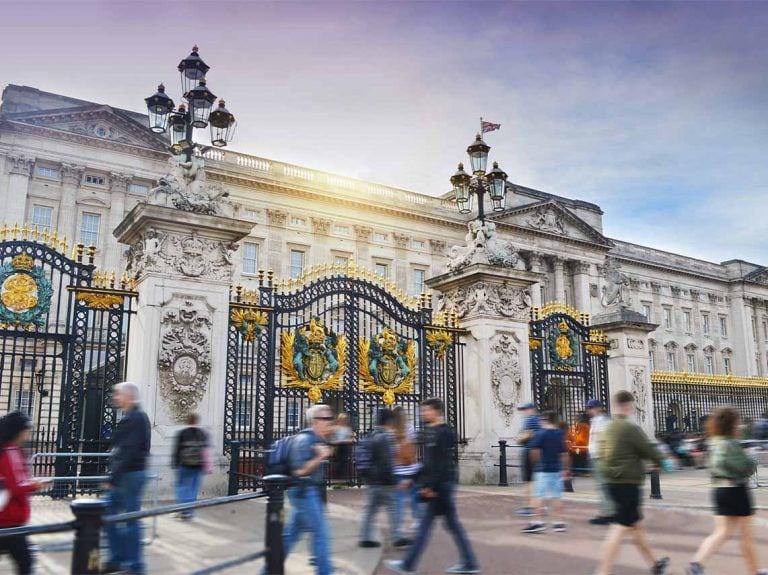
<point x="387" y="365"/>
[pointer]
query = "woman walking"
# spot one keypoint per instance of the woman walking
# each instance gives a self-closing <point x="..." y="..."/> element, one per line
<point x="406" y="469"/>
<point x="730" y="468"/>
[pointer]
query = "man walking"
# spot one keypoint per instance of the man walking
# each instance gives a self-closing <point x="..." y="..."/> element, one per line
<point x="531" y="424"/>
<point x="130" y="450"/>
<point x="599" y="420"/>
<point x="622" y="452"/>
<point x="438" y="483"/>
<point x="188" y="460"/>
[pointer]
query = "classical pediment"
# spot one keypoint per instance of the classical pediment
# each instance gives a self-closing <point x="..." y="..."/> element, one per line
<point x="551" y="218"/>
<point x="102" y="123"/>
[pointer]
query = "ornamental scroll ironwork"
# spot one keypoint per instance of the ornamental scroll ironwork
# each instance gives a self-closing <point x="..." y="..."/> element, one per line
<point x="389" y="365"/>
<point x="25" y="294"/>
<point x="440" y="341"/>
<point x="249" y="321"/>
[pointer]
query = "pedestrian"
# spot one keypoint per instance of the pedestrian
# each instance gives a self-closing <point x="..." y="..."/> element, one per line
<point x="407" y="468"/>
<point x="730" y="468"/>
<point x="14" y="432"/>
<point x="130" y="452"/>
<point x="344" y="438"/>
<point x="550" y="459"/>
<point x="531" y="425"/>
<point x="381" y="482"/>
<point x="623" y="450"/>
<point x="308" y="457"/>
<point x="761" y="427"/>
<point x="438" y="480"/>
<point x="599" y="420"/>
<point x="189" y="460"/>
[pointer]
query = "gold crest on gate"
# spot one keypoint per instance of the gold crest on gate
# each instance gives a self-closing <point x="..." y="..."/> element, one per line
<point x="387" y="365"/>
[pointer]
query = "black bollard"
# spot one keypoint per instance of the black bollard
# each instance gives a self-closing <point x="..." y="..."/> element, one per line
<point x="85" y="553"/>
<point x="234" y="468"/>
<point x="503" y="463"/>
<point x="655" y="485"/>
<point x="275" y="485"/>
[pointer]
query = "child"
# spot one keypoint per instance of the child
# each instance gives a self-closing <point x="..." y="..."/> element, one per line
<point x="549" y="456"/>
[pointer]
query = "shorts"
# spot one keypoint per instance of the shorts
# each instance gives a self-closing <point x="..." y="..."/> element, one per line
<point x="527" y="466"/>
<point x="547" y="485"/>
<point x="732" y="501"/>
<point x="626" y="501"/>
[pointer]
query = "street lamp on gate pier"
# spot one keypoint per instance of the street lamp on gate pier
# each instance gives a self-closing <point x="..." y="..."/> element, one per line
<point x="196" y="110"/>
<point x="466" y="187"/>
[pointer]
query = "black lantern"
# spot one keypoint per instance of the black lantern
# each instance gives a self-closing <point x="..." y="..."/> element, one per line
<point x="178" y="127"/>
<point x="460" y="181"/>
<point x="200" y="100"/>
<point x="159" y="106"/>
<point x="192" y="69"/>
<point x="478" y="155"/>
<point x="497" y="186"/>
<point x="222" y="126"/>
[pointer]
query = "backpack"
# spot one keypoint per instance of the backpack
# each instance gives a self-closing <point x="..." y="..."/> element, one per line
<point x="366" y="463"/>
<point x="279" y="461"/>
<point x="191" y="451"/>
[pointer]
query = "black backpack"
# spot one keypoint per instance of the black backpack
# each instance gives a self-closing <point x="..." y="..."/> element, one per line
<point x="191" y="450"/>
<point x="279" y="461"/>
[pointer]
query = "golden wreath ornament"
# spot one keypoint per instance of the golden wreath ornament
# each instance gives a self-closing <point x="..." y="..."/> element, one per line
<point x="313" y="358"/>
<point x="440" y="341"/>
<point x="249" y="322"/>
<point x="388" y="365"/>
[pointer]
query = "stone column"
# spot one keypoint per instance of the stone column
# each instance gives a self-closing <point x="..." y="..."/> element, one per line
<point x="362" y="245"/>
<point x="71" y="178"/>
<point x="493" y="304"/>
<point x="15" y="200"/>
<point x="536" y="261"/>
<point x="178" y="340"/>
<point x="581" y="286"/>
<point x="276" y="256"/>
<point x="118" y="186"/>
<point x="401" y="261"/>
<point x="558" y="265"/>
<point x="321" y="227"/>
<point x="628" y="364"/>
<point x="438" y="255"/>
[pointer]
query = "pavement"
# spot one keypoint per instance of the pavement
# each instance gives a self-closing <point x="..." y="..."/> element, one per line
<point x="676" y="526"/>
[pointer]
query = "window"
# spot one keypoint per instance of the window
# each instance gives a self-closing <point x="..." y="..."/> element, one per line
<point x="47" y="172"/>
<point x="652" y="360"/>
<point x="42" y="217"/>
<point x="297" y="263"/>
<point x="300" y="222"/>
<point x="25" y="401"/>
<point x="417" y="244"/>
<point x="709" y="364"/>
<point x="250" y="258"/>
<point x="140" y="189"/>
<point x="691" y="360"/>
<point x="89" y="229"/>
<point x="667" y="318"/>
<point x="250" y="214"/>
<point x="705" y="323"/>
<point x="94" y="180"/>
<point x="26" y="365"/>
<point x="292" y="415"/>
<point x="671" y="363"/>
<point x="724" y="326"/>
<point x="727" y="365"/>
<point x="382" y="270"/>
<point x="243" y="413"/>
<point x="417" y="283"/>
<point x="687" y="321"/>
<point x="341" y="229"/>
<point x="341" y="260"/>
<point x="380" y="237"/>
<point x="245" y="381"/>
<point x="647" y="311"/>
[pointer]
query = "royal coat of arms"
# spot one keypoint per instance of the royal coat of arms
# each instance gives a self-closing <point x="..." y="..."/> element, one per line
<point x="313" y="358"/>
<point x="25" y="294"/>
<point x="387" y="365"/>
<point x="563" y="348"/>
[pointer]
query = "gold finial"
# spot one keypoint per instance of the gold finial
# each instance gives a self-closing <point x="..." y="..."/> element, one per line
<point x="15" y="231"/>
<point x="270" y="277"/>
<point x="112" y="280"/>
<point x="4" y="232"/>
<point x="25" y="232"/>
<point x="63" y="245"/>
<point x="123" y="280"/>
<point x="261" y="277"/>
<point x="47" y="237"/>
<point x="238" y="293"/>
<point x="79" y="248"/>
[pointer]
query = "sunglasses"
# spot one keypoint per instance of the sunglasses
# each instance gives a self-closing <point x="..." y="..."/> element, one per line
<point x="327" y="418"/>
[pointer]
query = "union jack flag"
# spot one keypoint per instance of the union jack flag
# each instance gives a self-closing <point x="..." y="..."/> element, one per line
<point x="490" y="127"/>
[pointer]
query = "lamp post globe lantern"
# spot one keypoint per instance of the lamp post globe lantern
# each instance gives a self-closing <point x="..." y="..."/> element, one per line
<point x="179" y="129"/>
<point x="497" y="187"/>
<point x="200" y="100"/>
<point x="192" y="69"/>
<point x="460" y="181"/>
<point x="223" y="126"/>
<point x="478" y="155"/>
<point x="159" y="106"/>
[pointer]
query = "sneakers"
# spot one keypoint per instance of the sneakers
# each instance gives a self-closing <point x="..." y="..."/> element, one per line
<point x="601" y="520"/>
<point x="534" y="527"/>
<point x="369" y="544"/>
<point x="461" y="569"/>
<point x="559" y="527"/>
<point x="525" y="511"/>
<point x="660" y="567"/>
<point x="397" y="567"/>
<point x="695" y="569"/>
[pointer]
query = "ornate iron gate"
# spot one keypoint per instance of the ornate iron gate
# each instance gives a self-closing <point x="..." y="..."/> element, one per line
<point x="63" y="344"/>
<point x="568" y="361"/>
<point x="340" y="335"/>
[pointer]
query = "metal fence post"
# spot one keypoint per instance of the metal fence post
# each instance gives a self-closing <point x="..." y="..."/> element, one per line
<point x="655" y="485"/>
<point x="273" y="540"/>
<point x="503" y="463"/>
<point x="85" y="553"/>
<point x="234" y="468"/>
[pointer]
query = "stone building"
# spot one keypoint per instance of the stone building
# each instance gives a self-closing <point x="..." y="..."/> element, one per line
<point x="79" y="167"/>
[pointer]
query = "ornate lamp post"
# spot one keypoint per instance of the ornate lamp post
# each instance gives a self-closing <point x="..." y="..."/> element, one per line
<point x="195" y="111"/>
<point x="466" y="187"/>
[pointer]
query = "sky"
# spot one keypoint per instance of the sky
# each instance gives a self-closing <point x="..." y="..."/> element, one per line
<point x="657" y="112"/>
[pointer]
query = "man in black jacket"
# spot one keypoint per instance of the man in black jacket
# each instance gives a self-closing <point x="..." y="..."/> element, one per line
<point x="189" y="454"/>
<point x="130" y="451"/>
<point x="438" y="480"/>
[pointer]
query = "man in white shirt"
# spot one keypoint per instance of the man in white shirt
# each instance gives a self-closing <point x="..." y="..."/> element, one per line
<point x="599" y="420"/>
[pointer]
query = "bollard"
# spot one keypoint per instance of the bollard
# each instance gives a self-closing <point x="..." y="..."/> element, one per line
<point x="85" y="553"/>
<point x="503" y="463"/>
<point x="568" y="484"/>
<point x="655" y="485"/>
<point x="275" y="485"/>
<point x="234" y="468"/>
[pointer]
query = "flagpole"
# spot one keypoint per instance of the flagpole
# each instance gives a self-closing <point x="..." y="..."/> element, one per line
<point x="481" y="126"/>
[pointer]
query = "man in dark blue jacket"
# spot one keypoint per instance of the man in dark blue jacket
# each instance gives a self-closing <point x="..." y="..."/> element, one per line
<point x="130" y="451"/>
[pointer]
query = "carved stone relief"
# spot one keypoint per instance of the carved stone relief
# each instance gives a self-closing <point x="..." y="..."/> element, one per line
<point x="639" y="389"/>
<point x="20" y="165"/>
<point x="506" y="378"/>
<point x="401" y="240"/>
<point x="71" y="174"/>
<point x="635" y="343"/>
<point x="276" y="217"/>
<point x="484" y="246"/>
<point x="363" y="233"/>
<point x="547" y="219"/>
<point x="437" y="246"/>
<point x="321" y="225"/>
<point x="119" y="182"/>
<point x="615" y="292"/>
<point x="482" y="297"/>
<point x="185" y="355"/>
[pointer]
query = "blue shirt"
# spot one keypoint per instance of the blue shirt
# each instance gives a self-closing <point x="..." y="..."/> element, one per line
<point x="531" y="423"/>
<point x="551" y="442"/>
<point x="302" y="450"/>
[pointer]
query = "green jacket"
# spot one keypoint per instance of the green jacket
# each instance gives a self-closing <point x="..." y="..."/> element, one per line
<point x="623" y="450"/>
<point x="728" y="461"/>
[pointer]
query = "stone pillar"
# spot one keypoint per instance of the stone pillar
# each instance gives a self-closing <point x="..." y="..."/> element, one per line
<point x="321" y="228"/>
<point x="15" y="200"/>
<point x="493" y="304"/>
<point x="71" y="178"/>
<point x="276" y="255"/>
<point x="628" y="364"/>
<point x="362" y="245"/>
<point x="581" y="286"/>
<point x="558" y="265"/>
<point x="401" y="261"/>
<point x="178" y="340"/>
<point x="118" y="186"/>
<point x="438" y="255"/>
<point x="536" y="261"/>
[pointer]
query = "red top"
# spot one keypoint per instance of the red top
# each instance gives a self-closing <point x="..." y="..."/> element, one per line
<point x="13" y="472"/>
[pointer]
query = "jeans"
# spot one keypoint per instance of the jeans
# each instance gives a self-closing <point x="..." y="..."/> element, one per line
<point x="453" y="525"/>
<point x="125" y="538"/>
<point x="308" y="514"/>
<point x="18" y="548"/>
<point x="402" y="498"/>
<point x="188" y="480"/>
<point x="376" y="496"/>
<point x="606" y="503"/>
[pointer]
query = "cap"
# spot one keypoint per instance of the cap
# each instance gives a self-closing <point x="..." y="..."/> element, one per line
<point x="594" y="403"/>
<point x="525" y="406"/>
